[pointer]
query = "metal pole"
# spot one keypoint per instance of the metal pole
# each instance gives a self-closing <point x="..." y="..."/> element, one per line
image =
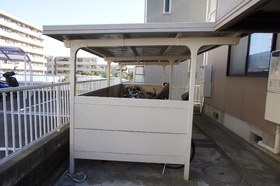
<point x="163" y="74"/>
<point x="193" y="50"/>
<point x="171" y="79"/>
<point x="121" y="66"/>
<point x="73" y="83"/>
<point x="108" y="73"/>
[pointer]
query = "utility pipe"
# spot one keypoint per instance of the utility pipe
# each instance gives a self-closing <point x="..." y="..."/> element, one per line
<point x="276" y="149"/>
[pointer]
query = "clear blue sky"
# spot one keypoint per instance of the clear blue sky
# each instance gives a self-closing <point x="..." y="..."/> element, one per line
<point x="69" y="12"/>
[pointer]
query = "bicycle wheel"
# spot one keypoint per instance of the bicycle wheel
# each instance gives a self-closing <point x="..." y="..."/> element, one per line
<point x="177" y="166"/>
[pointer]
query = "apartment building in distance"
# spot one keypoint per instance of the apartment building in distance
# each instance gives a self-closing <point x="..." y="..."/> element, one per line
<point x="15" y="32"/>
<point x="60" y="65"/>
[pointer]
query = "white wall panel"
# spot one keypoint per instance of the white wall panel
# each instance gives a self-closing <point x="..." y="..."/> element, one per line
<point x="114" y="115"/>
<point x="131" y="129"/>
<point x="130" y="142"/>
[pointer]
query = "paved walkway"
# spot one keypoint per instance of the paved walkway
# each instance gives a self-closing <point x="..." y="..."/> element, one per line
<point x="256" y="166"/>
<point x="220" y="159"/>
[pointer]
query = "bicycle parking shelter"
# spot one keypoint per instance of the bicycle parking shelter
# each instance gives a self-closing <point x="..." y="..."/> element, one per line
<point x="101" y="128"/>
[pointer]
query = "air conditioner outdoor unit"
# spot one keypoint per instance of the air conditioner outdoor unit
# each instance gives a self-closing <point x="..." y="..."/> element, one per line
<point x="273" y="89"/>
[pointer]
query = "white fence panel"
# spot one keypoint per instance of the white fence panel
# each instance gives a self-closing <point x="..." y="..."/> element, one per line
<point x="125" y="129"/>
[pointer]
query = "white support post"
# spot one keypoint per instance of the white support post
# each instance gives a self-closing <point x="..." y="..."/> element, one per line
<point x="121" y="66"/>
<point x="171" y="79"/>
<point x="194" y="49"/>
<point x="163" y="74"/>
<point x="73" y="51"/>
<point x="108" y="73"/>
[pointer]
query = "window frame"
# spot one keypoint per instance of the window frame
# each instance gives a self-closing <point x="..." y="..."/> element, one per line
<point x="164" y="6"/>
<point x="246" y="73"/>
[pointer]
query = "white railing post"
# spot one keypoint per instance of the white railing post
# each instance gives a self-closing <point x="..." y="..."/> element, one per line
<point x="44" y="112"/>
<point x="5" y="124"/>
<point x="30" y="116"/>
<point x="47" y="108"/>
<point x="58" y="105"/>
<point x="19" y="120"/>
<point x="63" y="104"/>
<point x="51" y="108"/>
<point x="39" y="112"/>
<point x="13" y="121"/>
<point x="35" y="114"/>
<point x="25" y="116"/>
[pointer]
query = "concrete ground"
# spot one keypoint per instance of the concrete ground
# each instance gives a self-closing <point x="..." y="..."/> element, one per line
<point x="221" y="158"/>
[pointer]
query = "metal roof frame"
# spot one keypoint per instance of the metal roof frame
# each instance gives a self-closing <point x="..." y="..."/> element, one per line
<point x="131" y="43"/>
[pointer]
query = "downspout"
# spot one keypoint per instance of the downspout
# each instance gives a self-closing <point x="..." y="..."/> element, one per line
<point x="276" y="149"/>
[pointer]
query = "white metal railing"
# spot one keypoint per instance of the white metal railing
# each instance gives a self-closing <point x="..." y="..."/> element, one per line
<point x="35" y="79"/>
<point x="198" y="98"/>
<point x="28" y="113"/>
<point x="31" y="112"/>
<point x="38" y="78"/>
<point x="197" y="94"/>
<point x="87" y="86"/>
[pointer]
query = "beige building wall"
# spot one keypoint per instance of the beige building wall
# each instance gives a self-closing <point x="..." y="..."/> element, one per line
<point x="180" y="11"/>
<point x="238" y="102"/>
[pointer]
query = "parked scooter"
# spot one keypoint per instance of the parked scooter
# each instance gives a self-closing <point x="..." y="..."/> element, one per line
<point x="3" y="84"/>
<point x="10" y="82"/>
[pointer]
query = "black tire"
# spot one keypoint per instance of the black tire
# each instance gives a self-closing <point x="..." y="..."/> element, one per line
<point x="178" y="166"/>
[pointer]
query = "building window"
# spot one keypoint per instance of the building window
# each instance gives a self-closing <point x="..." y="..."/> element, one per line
<point x="166" y="6"/>
<point x="252" y="55"/>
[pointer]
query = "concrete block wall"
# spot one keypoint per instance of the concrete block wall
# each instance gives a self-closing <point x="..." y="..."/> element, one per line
<point x="242" y="128"/>
<point x="37" y="162"/>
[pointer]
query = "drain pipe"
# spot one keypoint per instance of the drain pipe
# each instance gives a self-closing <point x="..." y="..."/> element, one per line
<point x="276" y="149"/>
